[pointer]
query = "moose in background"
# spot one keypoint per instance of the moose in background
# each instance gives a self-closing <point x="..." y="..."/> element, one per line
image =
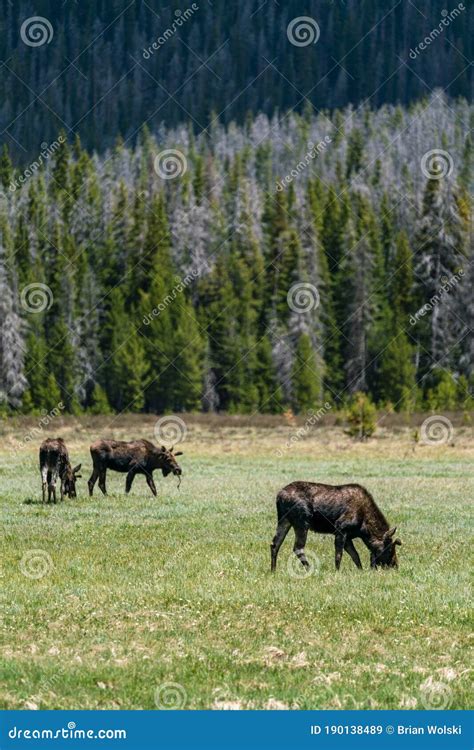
<point x="132" y="458"/>
<point x="54" y="463"/>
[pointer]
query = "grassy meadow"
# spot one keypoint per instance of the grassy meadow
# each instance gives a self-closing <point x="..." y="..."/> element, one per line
<point x="140" y="602"/>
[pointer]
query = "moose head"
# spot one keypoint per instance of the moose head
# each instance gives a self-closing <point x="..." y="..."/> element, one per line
<point x="69" y="480"/>
<point x="168" y="461"/>
<point x="387" y="557"/>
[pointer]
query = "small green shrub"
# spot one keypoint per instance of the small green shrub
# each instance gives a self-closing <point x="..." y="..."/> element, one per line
<point x="361" y="417"/>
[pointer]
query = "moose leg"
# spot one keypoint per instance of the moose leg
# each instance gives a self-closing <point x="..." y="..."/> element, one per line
<point x="301" y="534"/>
<point x="351" y="550"/>
<point x="130" y="477"/>
<point x="280" y="534"/>
<point x="102" y="486"/>
<point x="52" y="479"/>
<point x="151" y="484"/>
<point x="339" y="541"/>
<point x="44" y="482"/>
<point x="52" y="491"/>
<point x="93" y="479"/>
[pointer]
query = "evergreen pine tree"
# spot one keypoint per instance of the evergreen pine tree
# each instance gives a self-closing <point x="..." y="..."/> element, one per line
<point x="126" y="367"/>
<point x="440" y="247"/>
<point x="188" y="360"/>
<point x="99" y="403"/>
<point x="13" y="382"/>
<point x="6" y="168"/>
<point x="306" y="377"/>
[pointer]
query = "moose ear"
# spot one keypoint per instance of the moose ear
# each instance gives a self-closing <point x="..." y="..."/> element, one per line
<point x="178" y="453"/>
<point x="163" y="449"/>
<point x="388" y="536"/>
<point x="76" y="468"/>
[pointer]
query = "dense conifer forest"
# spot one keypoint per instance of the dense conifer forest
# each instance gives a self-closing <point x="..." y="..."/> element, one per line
<point x="98" y="72"/>
<point x="284" y="262"/>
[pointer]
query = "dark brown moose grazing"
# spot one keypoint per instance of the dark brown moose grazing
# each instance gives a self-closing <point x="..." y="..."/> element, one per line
<point x="135" y="457"/>
<point x="54" y="463"/>
<point x="348" y="511"/>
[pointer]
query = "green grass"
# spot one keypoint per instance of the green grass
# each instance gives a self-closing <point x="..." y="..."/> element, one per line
<point x="144" y="592"/>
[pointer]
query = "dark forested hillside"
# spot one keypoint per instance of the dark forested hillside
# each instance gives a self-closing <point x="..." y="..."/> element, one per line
<point x="285" y="263"/>
<point x="97" y="73"/>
